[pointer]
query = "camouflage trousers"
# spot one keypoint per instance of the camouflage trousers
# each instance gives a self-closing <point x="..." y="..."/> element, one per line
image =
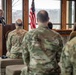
<point x="25" y="72"/>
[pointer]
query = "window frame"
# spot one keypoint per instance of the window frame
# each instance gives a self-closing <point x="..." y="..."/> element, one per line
<point x="25" y="13"/>
<point x="22" y="12"/>
<point x="52" y="22"/>
<point x="69" y="25"/>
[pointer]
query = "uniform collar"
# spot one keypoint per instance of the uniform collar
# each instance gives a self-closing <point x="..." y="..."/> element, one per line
<point x="43" y="26"/>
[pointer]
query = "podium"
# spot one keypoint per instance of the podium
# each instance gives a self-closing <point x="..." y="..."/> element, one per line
<point x="4" y="30"/>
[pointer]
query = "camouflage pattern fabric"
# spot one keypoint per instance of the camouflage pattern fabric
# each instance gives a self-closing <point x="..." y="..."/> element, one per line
<point x="72" y="35"/>
<point x="68" y="58"/>
<point x="42" y="48"/>
<point x="14" y="43"/>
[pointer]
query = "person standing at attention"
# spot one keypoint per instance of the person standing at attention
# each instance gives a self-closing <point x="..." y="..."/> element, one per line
<point x="68" y="58"/>
<point x="42" y="48"/>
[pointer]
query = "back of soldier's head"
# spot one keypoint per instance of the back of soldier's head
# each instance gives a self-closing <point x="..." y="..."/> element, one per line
<point x="42" y="16"/>
<point x="19" y="22"/>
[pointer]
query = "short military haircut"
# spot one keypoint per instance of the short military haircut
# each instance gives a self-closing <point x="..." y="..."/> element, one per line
<point x="42" y="16"/>
<point x="19" y="22"/>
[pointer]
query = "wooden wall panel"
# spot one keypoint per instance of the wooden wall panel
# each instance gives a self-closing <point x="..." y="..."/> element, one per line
<point x="6" y="30"/>
<point x="64" y="8"/>
<point x="25" y="14"/>
<point x="9" y="11"/>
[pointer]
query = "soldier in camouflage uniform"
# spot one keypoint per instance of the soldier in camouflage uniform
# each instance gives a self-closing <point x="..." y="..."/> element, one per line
<point x="14" y="41"/>
<point x="68" y="58"/>
<point x="41" y="48"/>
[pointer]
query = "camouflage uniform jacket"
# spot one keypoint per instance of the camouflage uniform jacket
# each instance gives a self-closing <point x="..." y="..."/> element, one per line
<point x="41" y="49"/>
<point x="68" y="58"/>
<point x="14" y="43"/>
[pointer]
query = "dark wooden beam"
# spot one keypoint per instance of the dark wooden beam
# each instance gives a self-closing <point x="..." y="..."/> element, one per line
<point x="64" y="5"/>
<point x="25" y="14"/>
<point x="8" y="11"/>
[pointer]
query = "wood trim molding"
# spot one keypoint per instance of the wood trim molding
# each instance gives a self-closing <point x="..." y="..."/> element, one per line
<point x="64" y="8"/>
<point x="9" y="11"/>
<point x="25" y="14"/>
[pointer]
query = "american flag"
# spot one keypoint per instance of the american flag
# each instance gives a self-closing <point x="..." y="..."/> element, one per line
<point x="32" y="16"/>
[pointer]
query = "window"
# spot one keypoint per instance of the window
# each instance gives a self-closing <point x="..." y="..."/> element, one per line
<point x="16" y="10"/>
<point x="70" y="14"/>
<point x="0" y="4"/>
<point x="53" y="7"/>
